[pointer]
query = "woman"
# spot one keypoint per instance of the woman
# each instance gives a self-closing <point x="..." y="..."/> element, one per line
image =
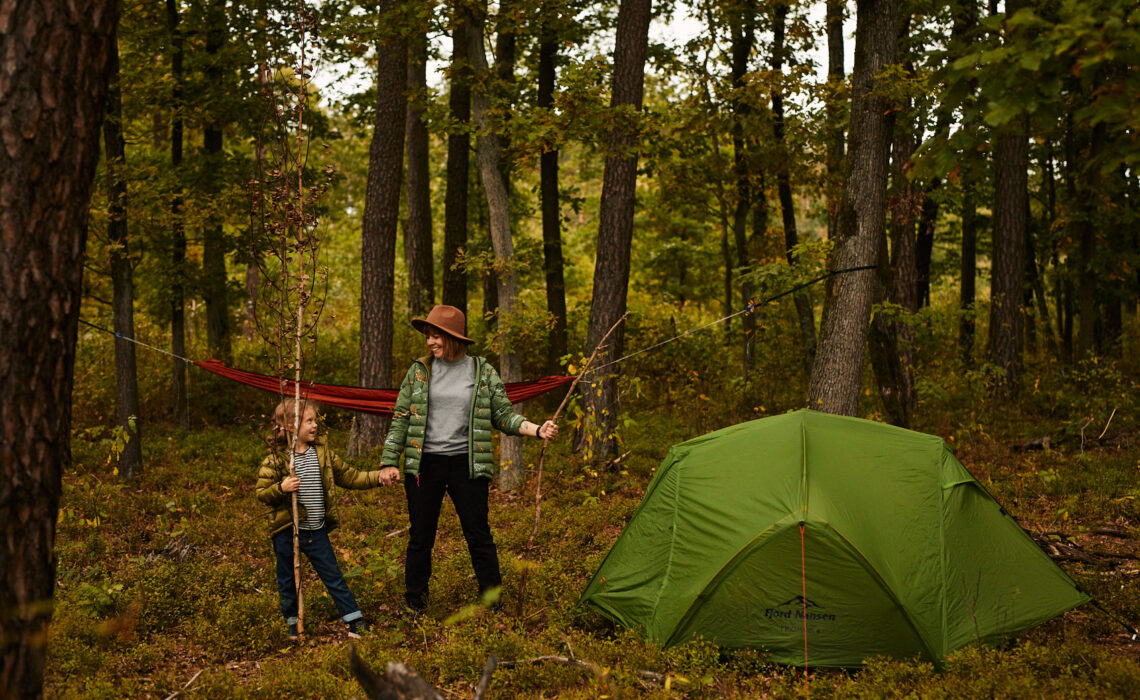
<point x="448" y="403"/>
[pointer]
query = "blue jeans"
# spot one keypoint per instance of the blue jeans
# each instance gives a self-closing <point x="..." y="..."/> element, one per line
<point x="316" y="546"/>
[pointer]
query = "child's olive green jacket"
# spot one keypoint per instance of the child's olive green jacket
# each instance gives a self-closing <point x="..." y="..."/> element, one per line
<point x="490" y="408"/>
<point x="333" y="470"/>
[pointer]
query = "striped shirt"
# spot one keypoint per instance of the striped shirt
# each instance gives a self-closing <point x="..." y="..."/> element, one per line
<point x="312" y="492"/>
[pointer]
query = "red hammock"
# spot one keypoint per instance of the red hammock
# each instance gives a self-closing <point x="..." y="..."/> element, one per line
<point x="355" y="398"/>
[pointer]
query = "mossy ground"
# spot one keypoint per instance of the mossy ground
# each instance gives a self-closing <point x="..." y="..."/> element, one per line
<point x="171" y="578"/>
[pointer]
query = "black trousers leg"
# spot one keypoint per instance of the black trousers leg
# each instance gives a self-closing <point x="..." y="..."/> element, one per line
<point x="425" y="497"/>
<point x="470" y="499"/>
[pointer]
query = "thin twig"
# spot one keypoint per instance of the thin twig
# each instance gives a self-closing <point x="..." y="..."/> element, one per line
<point x="179" y="691"/>
<point x="1106" y="425"/>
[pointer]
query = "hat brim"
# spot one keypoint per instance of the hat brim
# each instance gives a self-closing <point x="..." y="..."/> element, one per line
<point x="422" y="325"/>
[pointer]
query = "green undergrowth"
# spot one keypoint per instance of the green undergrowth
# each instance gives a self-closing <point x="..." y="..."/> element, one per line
<point x="173" y="575"/>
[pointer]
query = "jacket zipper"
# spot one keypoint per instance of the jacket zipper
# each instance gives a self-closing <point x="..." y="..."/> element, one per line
<point x="471" y="425"/>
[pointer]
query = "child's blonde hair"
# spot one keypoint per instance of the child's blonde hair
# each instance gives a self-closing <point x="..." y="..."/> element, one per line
<point x="285" y="417"/>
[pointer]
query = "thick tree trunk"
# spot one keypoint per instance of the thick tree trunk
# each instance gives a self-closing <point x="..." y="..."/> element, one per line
<point x="891" y="344"/>
<point x="214" y="247"/>
<point x="378" y="234"/>
<point x="836" y="9"/>
<point x="417" y="231"/>
<point x="804" y="308"/>
<point x="615" y="227"/>
<point x="178" y="391"/>
<point x="1011" y="167"/>
<point x="489" y="160"/>
<point x="122" y="279"/>
<point x="742" y="24"/>
<point x="838" y="366"/>
<point x="458" y="165"/>
<point x="551" y="211"/>
<point x="1007" y="285"/>
<point x="56" y="57"/>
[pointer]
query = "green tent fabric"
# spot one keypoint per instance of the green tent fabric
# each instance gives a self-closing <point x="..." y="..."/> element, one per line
<point x="901" y="552"/>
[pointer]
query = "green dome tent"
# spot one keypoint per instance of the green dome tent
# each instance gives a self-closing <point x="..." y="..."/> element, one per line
<point x="836" y="537"/>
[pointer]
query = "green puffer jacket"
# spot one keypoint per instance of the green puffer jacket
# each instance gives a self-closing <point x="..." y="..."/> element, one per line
<point x="333" y="470"/>
<point x="490" y="408"/>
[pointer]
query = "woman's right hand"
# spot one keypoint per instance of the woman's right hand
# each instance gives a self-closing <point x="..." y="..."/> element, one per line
<point x="290" y="484"/>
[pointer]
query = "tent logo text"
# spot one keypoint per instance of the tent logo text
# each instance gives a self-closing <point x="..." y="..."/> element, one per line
<point x="799" y="608"/>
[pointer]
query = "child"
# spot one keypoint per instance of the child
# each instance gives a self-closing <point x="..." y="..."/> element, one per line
<point x="317" y="468"/>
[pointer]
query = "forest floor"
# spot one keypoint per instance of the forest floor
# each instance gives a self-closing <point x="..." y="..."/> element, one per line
<point x="166" y="586"/>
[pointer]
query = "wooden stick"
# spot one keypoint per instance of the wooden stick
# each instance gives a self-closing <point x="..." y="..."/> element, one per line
<point x="542" y="459"/>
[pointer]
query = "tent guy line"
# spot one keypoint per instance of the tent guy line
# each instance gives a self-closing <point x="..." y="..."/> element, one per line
<point x="751" y="306"/>
<point x="748" y="308"/>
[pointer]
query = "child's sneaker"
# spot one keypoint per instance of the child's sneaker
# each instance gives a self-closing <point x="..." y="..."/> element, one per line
<point x="358" y="627"/>
<point x="293" y="630"/>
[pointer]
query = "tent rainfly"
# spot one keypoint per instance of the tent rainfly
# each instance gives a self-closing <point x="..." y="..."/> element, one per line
<point x="825" y="540"/>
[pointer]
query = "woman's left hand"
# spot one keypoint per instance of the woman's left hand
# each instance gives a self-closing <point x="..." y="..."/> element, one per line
<point x="548" y="430"/>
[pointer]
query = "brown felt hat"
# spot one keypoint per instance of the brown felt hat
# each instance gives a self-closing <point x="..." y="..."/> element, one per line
<point x="448" y="319"/>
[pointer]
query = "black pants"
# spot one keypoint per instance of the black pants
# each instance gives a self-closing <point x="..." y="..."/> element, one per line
<point x="440" y="474"/>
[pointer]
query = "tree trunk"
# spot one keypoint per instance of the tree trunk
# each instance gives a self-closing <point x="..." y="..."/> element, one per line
<point x="489" y="160"/>
<point x="924" y="244"/>
<point x="1011" y="168"/>
<point x="56" y="58"/>
<point x="122" y="278"/>
<point x="804" y="308"/>
<point x="965" y="21"/>
<point x="214" y="291"/>
<point x="458" y="165"/>
<point x="378" y="233"/>
<point x="969" y="270"/>
<point x="551" y="211"/>
<point x="742" y="25"/>
<point x="836" y="9"/>
<point x="891" y="344"/>
<point x="615" y="227"/>
<point x="417" y="231"/>
<point x="178" y="390"/>
<point x="838" y="366"/>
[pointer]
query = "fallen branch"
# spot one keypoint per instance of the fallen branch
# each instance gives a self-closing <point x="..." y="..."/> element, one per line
<point x="485" y="679"/>
<point x="564" y="660"/>
<point x="402" y="682"/>
<point x="1112" y="532"/>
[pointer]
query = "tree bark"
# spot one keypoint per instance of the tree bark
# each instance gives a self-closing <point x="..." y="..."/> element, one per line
<point x="804" y="308"/>
<point x="969" y="270"/>
<point x="615" y="225"/>
<point x="965" y="21"/>
<point x="742" y="27"/>
<point x="551" y="210"/>
<point x="458" y="165"/>
<point x="178" y="391"/>
<point x="891" y="345"/>
<point x="214" y="246"/>
<point x="122" y="279"/>
<point x="378" y="233"/>
<point x="52" y="93"/>
<point x="836" y="10"/>
<point x="1011" y="182"/>
<point x="838" y="367"/>
<point x="417" y="231"/>
<point x="489" y="160"/>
